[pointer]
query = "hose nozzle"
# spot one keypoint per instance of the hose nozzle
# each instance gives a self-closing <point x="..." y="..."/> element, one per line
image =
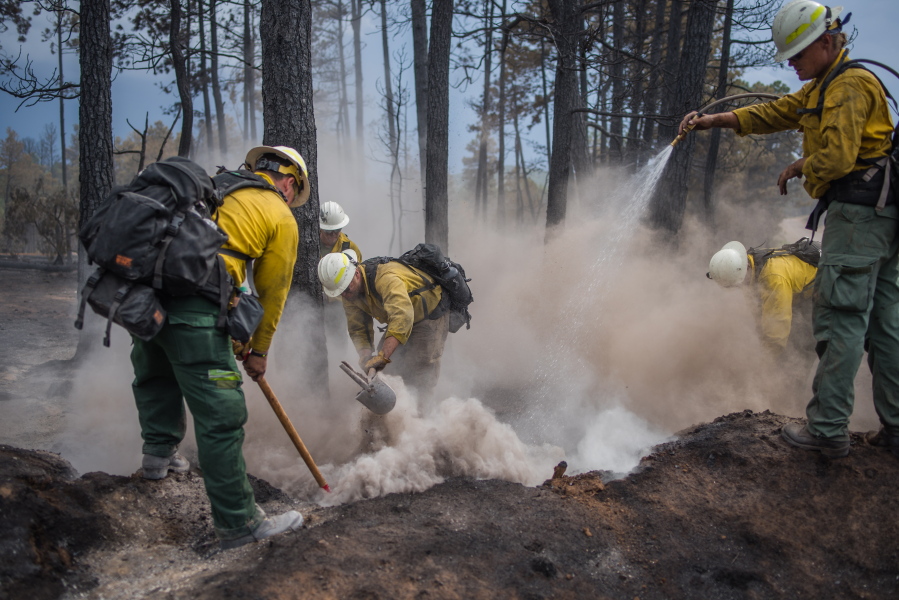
<point x="683" y="134"/>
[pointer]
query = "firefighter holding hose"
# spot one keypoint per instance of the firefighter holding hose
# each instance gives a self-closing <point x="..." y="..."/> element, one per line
<point x="843" y="115"/>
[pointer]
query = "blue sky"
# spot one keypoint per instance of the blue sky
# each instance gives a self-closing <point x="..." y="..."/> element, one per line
<point x="135" y="93"/>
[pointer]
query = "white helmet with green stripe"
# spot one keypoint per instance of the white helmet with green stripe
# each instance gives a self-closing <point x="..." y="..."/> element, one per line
<point x="336" y="271"/>
<point x="799" y="23"/>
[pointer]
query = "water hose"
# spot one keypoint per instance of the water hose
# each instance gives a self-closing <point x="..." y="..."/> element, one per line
<point x="705" y="109"/>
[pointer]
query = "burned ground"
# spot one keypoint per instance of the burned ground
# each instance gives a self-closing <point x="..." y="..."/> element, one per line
<point x="727" y="510"/>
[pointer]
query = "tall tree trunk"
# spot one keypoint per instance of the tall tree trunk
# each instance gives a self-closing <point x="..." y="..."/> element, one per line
<point x="249" y="81"/>
<point x="634" y="142"/>
<point x="182" y="77"/>
<point x="95" y="160"/>
<point x="216" y="86"/>
<point x="567" y="127"/>
<point x="545" y="89"/>
<point x="420" y="69"/>
<point x="480" y="196"/>
<point x="668" y="207"/>
<point x="616" y="125"/>
<point x="711" y="161"/>
<point x="62" y="112"/>
<point x="356" y="21"/>
<point x="344" y="107"/>
<point x="655" y="56"/>
<point x="501" y="156"/>
<point x="207" y="107"/>
<point x="436" y="197"/>
<point x="672" y="76"/>
<point x="289" y="118"/>
<point x="388" y="84"/>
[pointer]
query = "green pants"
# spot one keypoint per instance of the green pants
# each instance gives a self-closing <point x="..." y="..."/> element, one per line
<point x="191" y="359"/>
<point x="856" y="309"/>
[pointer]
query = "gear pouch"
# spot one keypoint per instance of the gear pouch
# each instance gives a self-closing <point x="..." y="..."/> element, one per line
<point x="846" y="283"/>
<point x="244" y="316"/>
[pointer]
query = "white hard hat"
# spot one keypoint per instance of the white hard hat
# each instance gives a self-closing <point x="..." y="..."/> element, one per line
<point x="800" y="23"/>
<point x="332" y="217"/>
<point x="336" y="271"/>
<point x="728" y="266"/>
<point x="297" y="168"/>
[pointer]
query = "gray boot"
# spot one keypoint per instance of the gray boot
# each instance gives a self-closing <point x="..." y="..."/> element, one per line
<point x="797" y="434"/>
<point x="157" y="467"/>
<point x="289" y="521"/>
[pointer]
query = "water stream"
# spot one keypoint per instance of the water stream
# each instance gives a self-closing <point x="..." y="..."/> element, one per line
<point x="564" y="378"/>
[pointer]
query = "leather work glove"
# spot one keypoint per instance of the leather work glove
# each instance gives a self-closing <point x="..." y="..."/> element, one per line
<point x="241" y="350"/>
<point x="376" y="362"/>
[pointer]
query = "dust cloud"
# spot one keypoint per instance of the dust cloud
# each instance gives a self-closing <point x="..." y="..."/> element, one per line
<point x="592" y="348"/>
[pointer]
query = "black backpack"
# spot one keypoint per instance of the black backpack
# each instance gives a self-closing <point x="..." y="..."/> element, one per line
<point x="449" y="275"/>
<point x="155" y="234"/>
<point x="804" y="249"/>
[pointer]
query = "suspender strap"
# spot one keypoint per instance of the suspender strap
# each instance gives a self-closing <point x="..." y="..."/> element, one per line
<point x="249" y="262"/>
<point x="85" y="292"/>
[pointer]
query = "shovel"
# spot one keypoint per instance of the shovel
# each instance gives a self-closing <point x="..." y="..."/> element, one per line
<point x="376" y="396"/>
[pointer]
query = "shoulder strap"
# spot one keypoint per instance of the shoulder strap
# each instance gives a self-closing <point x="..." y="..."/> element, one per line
<point x="247" y="259"/>
<point x="229" y="182"/>
<point x="837" y="70"/>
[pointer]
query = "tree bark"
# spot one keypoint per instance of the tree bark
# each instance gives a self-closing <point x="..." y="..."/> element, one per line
<point x="616" y="124"/>
<point x="501" y="155"/>
<point x="655" y="56"/>
<point x="480" y="195"/>
<point x="289" y="118"/>
<point x="668" y="128"/>
<point x="356" y="21"/>
<point x="711" y="161"/>
<point x="207" y="107"/>
<point x="436" y="194"/>
<point x="182" y="77"/>
<point x="668" y="207"/>
<point x="216" y="86"/>
<point x="420" y="69"/>
<point x="62" y="111"/>
<point x="388" y="84"/>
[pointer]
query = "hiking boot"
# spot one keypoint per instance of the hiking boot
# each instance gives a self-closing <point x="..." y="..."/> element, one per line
<point x="798" y="435"/>
<point x="884" y="440"/>
<point x="157" y="467"/>
<point x="289" y="521"/>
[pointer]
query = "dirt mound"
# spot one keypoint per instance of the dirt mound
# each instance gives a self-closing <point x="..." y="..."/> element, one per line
<point x="727" y="511"/>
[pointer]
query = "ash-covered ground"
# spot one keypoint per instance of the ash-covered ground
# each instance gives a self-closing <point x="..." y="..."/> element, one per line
<point x="725" y="510"/>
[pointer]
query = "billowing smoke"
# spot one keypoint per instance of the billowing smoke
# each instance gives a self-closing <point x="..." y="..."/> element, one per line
<point x="592" y="348"/>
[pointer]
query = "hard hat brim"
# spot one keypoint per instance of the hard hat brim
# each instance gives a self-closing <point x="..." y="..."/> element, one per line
<point x="253" y="155"/>
<point x="341" y="225"/>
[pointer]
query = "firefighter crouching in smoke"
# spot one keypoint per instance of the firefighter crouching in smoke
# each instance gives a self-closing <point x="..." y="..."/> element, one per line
<point x="857" y="287"/>
<point x="193" y="359"/>
<point x="780" y="283"/>
<point x="417" y="322"/>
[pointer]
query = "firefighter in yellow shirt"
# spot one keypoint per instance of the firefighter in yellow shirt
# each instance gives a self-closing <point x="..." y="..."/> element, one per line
<point x="845" y="121"/>
<point x="332" y="219"/>
<point x="407" y="301"/>
<point x="780" y="283"/>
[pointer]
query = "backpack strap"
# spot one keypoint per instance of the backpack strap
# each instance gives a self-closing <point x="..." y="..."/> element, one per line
<point x="170" y="232"/>
<point x="345" y="245"/>
<point x="837" y="70"/>
<point x="86" y="291"/>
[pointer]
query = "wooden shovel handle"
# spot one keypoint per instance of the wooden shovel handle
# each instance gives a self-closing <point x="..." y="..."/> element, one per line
<point x="292" y="432"/>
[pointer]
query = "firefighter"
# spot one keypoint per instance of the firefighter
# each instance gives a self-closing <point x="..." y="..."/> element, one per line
<point x="780" y="283"/>
<point x="846" y="129"/>
<point x="403" y="298"/>
<point x="331" y="221"/>
<point x="191" y="360"/>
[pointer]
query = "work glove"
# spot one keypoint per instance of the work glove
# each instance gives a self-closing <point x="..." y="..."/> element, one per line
<point x="241" y="350"/>
<point x="376" y="362"/>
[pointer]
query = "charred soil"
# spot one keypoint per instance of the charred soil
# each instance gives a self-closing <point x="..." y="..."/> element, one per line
<point x="728" y="510"/>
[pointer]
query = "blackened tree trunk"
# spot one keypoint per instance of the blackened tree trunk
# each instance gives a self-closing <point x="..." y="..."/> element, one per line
<point x="249" y="74"/>
<point x="616" y="124"/>
<point x="566" y="97"/>
<point x="204" y="74"/>
<point x="668" y="207"/>
<point x="480" y="194"/>
<point x="388" y="85"/>
<point x="655" y="56"/>
<point x="96" y="171"/>
<point x="62" y="111"/>
<point x="356" y="21"/>
<point x="182" y="78"/>
<point x="711" y="161"/>
<point x="501" y="155"/>
<point x="420" y="68"/>
<point x="436" y="192"/>
<point x="216" y="85"/>
<point x="672" y="76"/>
<point x="286" y="35"/>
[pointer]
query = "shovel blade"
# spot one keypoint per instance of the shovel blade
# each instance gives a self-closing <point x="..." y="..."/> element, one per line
<point x="380" y="400"/>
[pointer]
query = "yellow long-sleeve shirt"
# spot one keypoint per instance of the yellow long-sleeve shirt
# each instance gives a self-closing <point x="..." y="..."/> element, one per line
<point x="855" y="123"/>
<point x="780" y="281"/>
<point x="396" y="308"/>
<point x="338" y="247"/>
<point x="260" y="225"/>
